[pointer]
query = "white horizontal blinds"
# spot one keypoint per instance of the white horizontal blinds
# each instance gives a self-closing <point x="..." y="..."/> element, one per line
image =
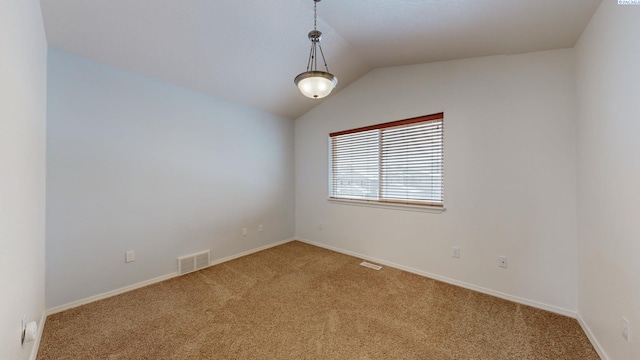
<point x="412" y="163"/>
<point x="355" y="165"/>
<point x="400" y="161"/>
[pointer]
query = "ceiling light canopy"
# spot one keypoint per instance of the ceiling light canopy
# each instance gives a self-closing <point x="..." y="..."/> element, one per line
<point x="314" y="83"/>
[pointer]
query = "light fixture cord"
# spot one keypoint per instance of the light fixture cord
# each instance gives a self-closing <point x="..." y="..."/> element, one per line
<point x="315" y="28"/>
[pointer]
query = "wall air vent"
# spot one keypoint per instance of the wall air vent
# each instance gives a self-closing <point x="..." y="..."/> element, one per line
<point x="193" y="262"/>
<point x="371" y="266"/>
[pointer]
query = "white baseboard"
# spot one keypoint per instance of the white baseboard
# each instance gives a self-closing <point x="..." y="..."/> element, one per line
<point x="249" y="252"/>
<point x="536" y="304"/>
<point x="109" y="294"/>
<point x="158" y="279"/>
<point x="592" y="338"/>
<point x="539" y="305"/>
<point x="36" y="342"/>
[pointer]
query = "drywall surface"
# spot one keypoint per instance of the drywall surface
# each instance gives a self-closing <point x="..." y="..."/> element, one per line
<point x="509" y="124"/>
<point x="608" y="177"/>
<point x="139" y="164"/>
<point x="23" y="103"/>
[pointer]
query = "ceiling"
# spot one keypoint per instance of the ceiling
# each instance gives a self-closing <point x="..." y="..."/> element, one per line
<point x="249" y="51"/>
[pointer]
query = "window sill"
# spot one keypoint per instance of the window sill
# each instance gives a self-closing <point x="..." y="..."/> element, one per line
<point x="405" y="207"/>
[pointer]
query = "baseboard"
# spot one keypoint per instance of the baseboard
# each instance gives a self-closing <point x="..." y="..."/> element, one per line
<point x="109" y="294"/>
<point x="592" y="338"/>
<point x="158" y="279"/>
<point x="532" y="303"/>
<point x="536" y="304"/>
<point x="249" y="252"/>
<point x="36" y="342"/>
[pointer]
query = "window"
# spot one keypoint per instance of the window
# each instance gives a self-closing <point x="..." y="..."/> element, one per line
<point x="397" y="162"/>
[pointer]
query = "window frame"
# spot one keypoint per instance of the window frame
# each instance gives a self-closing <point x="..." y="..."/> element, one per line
<point x="408" y="204"/>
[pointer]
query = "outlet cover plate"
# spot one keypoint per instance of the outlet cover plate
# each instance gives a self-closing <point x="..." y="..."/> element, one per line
<point x="502" y="261"/>
<point x="130" y="256"/>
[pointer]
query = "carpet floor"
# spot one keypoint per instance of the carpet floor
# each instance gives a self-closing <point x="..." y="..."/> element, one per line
<point x="297" y="301"/>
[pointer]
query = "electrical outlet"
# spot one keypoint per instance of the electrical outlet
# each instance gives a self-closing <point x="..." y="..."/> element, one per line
<point x="502" y="261"/>
<point x="455" y="252"/>
<point x="626" y="329"/>
<point x="260" y="228"/>
<point x="244" y="231"/>
<point x="320" y="227"/>
<point x="130" y="256"/>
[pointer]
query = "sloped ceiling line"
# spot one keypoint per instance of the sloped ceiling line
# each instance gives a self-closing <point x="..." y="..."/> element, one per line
<point x="249" y="51"/>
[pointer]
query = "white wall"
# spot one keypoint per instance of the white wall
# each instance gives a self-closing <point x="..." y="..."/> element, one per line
<point x="509" y="174"/>
<point x="23" y="66"/>
<point x="609" y="177"/>
<point x="138" y="164"/>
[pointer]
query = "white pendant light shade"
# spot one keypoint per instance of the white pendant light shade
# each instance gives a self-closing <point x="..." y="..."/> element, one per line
<point x="316" y="84"/>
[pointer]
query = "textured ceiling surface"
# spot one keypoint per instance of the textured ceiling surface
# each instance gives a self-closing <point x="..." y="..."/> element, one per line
<point x="249" y="51"/>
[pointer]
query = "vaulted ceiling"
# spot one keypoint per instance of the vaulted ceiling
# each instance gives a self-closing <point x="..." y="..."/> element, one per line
<point x="249" y="51"/>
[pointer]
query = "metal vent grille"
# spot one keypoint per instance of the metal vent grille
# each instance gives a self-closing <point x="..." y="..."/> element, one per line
<point x="193" y="262"/>
<point x="371" y="266"/>
<point x="202" y="260"/>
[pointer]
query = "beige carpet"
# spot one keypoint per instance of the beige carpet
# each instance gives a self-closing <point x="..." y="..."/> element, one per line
<point x="297" y="301"/>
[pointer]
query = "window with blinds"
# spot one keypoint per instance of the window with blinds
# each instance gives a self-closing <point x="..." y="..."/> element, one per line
<point x="396" y="162"/>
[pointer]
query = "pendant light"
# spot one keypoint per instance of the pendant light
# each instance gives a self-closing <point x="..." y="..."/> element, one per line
<point x="314" y="83"/>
